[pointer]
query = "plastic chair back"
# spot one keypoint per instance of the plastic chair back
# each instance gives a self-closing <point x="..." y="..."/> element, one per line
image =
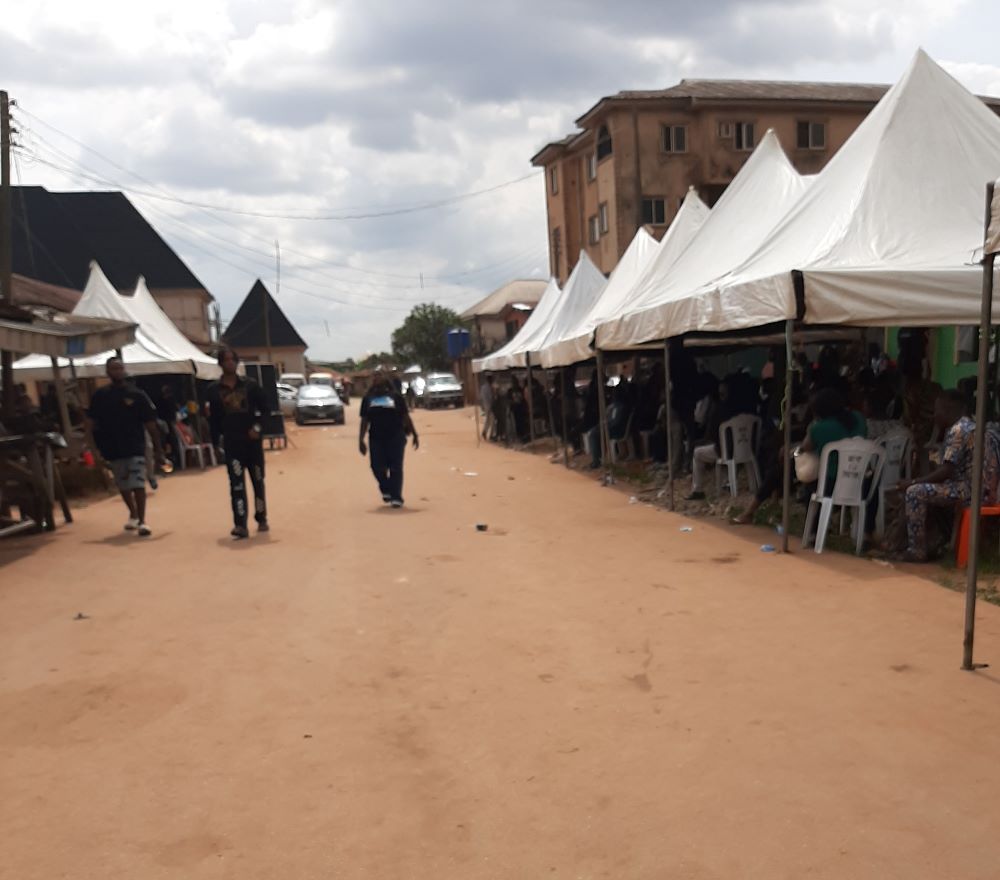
<point x="739" y="438"/>
<point x="896" y="444"/>
<point x="857" y="459"/>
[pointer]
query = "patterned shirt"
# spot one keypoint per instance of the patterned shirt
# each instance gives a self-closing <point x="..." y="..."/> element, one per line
<point x="958" y="443"/>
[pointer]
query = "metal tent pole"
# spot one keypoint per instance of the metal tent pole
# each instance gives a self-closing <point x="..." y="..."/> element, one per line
<point x="531" y="403"/>
<point x="602" y="410"/>
<point x="668" y="399"/>
<point x="786" y="464"/>
<point x="565" y="410"/>
<point x="552" y="421"/>
<point x="975" y="506"/>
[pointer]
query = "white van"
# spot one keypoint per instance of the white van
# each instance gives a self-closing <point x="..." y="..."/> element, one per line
<point x="296" y="380"/>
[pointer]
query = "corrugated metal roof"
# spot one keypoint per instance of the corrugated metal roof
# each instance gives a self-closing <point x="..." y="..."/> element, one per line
<point x="518" y="291"/>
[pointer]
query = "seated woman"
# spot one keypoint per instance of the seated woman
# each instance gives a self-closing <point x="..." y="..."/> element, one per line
<point x="832" y="421"/>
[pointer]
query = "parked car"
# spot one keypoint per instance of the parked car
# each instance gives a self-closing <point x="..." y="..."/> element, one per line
<point x="287" y="398"/>
<point x="321" y="379"/>
<point x="296" y="380"/>
<point x="318" y="403"/>
<point x="442" y="389"/>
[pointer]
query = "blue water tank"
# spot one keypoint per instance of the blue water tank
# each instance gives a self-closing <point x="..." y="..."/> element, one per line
<point x="458" y="342"/>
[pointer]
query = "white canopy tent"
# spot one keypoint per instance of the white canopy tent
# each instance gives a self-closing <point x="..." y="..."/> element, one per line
<point x="513" y="353"/>
<point x="584" y="287"/>
<point x="159" y="347"/>
<point x="573" y="344"/>
<point x="889" y="232"/>
<point x="667" y="299"/>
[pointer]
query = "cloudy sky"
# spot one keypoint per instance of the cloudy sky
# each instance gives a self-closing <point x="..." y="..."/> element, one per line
<point x="362" y="134"/>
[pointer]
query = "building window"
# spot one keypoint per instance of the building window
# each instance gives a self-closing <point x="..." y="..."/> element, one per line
<point x="743" y="135"/>
<point x="603" y="142"/>
<point x="553" y="180"/>
<point x="811" y="136"/>
<point x="591" y="166"/>
<point x="602" y="213"/>
<point x="654" y="211"/>
<point x="673" y="138"/>
<point x="556" y="250"/>
<point x="725" y="131"/>
<point x="593" y="229"/>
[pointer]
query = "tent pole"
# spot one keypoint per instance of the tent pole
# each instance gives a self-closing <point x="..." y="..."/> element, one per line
<point x="976" y="503"/>
<point x="475" y="407"/>
<point x="668" y="405"/>
<point x="786" y="463"/>
<point x="602" y="410"/>
<point x="565" y="410"/>
<point x="531" y="401"/>
<point x="552" y="422"/>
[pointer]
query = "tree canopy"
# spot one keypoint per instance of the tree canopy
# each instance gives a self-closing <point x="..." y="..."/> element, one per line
<point x="422" y="337"/>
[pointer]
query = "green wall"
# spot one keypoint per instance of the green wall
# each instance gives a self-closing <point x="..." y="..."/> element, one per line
<point x="944" y="370"/>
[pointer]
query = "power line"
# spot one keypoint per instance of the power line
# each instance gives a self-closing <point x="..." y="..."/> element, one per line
<point x="361" y="214"/>
<point x="98" y="177"/>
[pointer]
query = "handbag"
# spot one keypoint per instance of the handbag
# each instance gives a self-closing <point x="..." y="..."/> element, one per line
<point x="806" y="465"/>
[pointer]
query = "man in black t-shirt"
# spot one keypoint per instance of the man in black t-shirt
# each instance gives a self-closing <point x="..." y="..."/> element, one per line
<point x="236" y="407"/>
<point x="385" y="419"/>
<point x="119" y="417"/>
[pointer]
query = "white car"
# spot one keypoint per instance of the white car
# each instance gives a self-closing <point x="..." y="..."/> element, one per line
<point x="287" y="396"/>
<point x="442" y="389"/>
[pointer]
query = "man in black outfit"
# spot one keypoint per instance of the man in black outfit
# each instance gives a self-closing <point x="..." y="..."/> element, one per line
<point x="236" y="407"/>
<point x="385" y="419"/>
<point x="118" y="419"/>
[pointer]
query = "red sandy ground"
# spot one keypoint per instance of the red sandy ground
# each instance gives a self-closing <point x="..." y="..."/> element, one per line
<point x="582" y="691"/>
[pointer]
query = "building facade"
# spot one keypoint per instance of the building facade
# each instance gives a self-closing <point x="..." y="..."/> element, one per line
<point x="496" y="320"/>
<point x="637" y="153"/>
<point x="274" y="340"/>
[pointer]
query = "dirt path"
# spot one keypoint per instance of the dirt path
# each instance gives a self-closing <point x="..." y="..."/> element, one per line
<point x="582" y="691"/>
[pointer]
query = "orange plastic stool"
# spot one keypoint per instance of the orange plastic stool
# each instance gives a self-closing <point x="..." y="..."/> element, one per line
<point x="962" y="544"/>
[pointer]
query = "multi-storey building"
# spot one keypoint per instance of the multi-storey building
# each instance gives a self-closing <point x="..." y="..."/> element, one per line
<point x="637" y="153"/>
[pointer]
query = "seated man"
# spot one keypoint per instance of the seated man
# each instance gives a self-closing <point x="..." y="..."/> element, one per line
<point x="950" y="483"/>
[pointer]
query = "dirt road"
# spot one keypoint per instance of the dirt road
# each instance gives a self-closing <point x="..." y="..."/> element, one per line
<point x="582" y="691"/>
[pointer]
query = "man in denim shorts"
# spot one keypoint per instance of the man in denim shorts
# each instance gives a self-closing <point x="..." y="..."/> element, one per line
<point x="119" y="417"/>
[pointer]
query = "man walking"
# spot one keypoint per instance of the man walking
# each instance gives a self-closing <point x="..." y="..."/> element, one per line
<point x="385" y="419"/>
<point x="119" y="418"/>
<point x="236" y="408"/>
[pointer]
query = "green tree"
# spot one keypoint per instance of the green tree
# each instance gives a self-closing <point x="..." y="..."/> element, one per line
<point x="422" y="338"/>
<point x="376" y="359"/>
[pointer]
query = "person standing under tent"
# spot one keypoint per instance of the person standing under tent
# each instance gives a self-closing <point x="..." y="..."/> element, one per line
<point x="486" y="394"/>
<point x="236" y="407"/>
<point x="119" y="419"/>
<point x="386" y="421"/>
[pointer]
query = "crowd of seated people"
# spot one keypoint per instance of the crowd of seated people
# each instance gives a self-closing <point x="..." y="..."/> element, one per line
<point x="845" y="392"/>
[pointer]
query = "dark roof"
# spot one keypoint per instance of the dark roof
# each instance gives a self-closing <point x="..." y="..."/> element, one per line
<point x="692" y="91"/>
<point x="246" y="330"/>
<point x="56" y="235"/>
<point x="689" y="91"/>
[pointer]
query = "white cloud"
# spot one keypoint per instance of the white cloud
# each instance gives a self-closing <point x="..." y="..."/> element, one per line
<point x="313" y="104"/>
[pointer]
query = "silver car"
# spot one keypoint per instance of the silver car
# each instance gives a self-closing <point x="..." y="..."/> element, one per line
<point x="288" y="395"/>
<point x="318" y="403"/>
<point x="442" y="389"/>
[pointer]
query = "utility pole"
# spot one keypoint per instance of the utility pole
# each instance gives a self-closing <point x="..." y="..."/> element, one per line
<point x="267" y="321"/>
<point x="6" y="258"/>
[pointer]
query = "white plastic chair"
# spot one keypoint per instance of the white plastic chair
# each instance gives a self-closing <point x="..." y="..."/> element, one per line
<point x="196" y="449"/>
<point x="738" y="440"/>
<point x="623" y="447"/>
<point x="857" y="459"/>
<point x="896" y="467"/>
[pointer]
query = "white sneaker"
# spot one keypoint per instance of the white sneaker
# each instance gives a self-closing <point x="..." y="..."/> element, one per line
<point x="144" y="530"/>
<point x="132" y="525"/>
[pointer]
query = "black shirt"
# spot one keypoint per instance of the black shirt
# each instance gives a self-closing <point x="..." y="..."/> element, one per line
<point x="385" y="411"/>
<point x="233" y="411"/>
<point x="119" y="414"/>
